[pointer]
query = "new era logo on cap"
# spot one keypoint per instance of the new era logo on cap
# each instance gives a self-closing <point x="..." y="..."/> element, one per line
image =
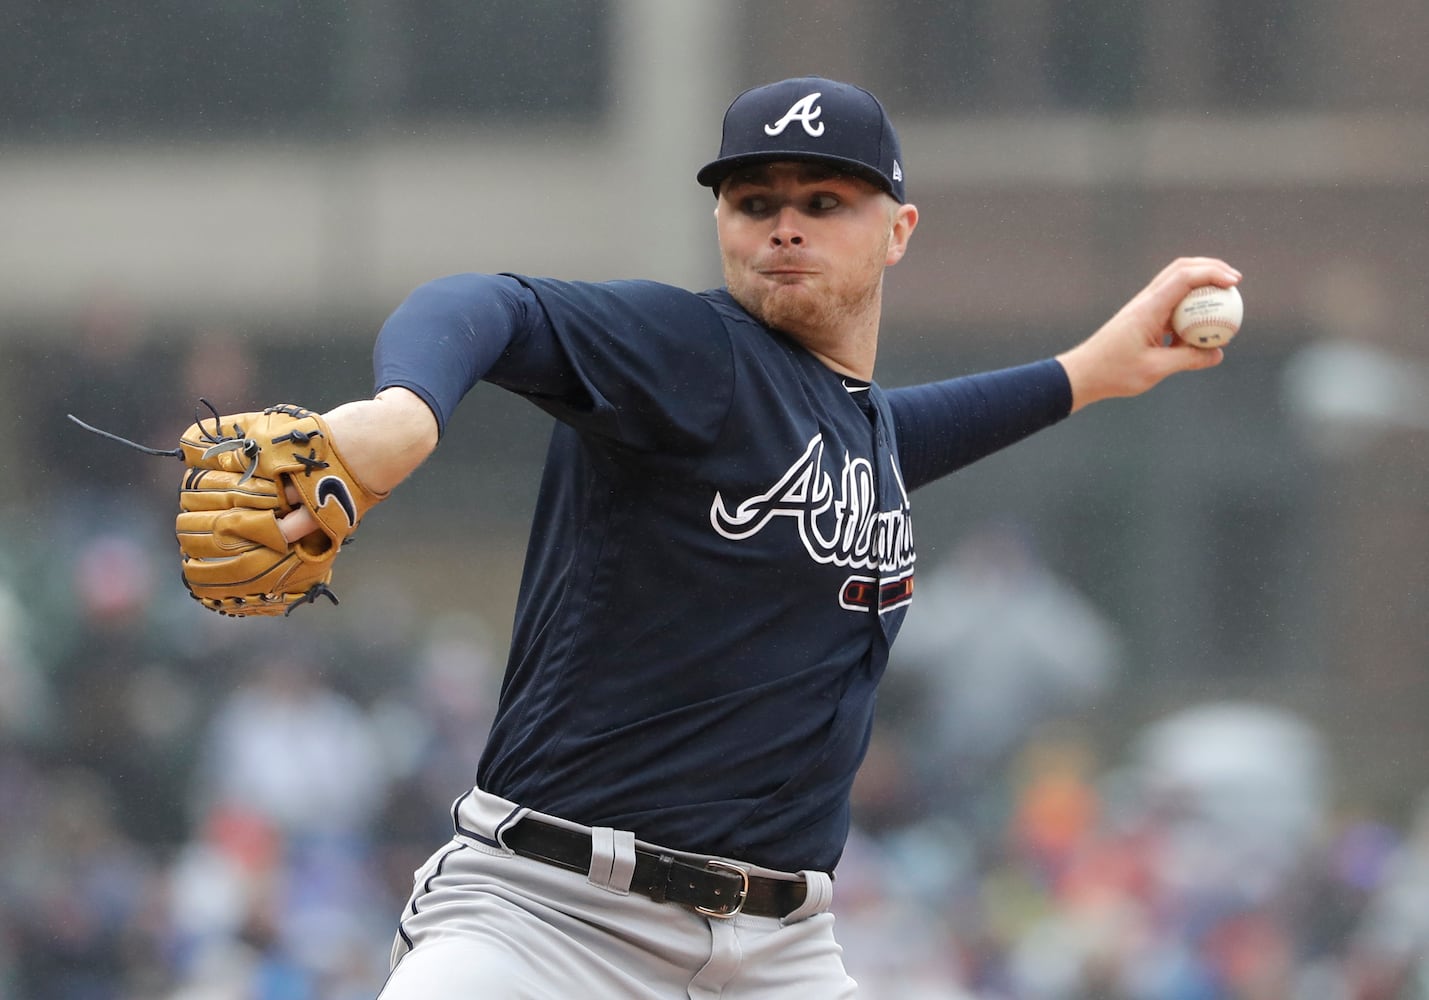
<point x="810" y="118"/>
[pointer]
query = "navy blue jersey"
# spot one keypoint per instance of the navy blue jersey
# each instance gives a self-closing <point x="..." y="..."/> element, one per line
<point x="722" y="551"/>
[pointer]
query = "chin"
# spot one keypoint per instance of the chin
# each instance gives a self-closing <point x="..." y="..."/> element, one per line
<point x="784" y="307"/>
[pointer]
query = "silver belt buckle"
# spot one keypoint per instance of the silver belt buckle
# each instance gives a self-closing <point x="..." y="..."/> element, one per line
<point x="739" y="900"/>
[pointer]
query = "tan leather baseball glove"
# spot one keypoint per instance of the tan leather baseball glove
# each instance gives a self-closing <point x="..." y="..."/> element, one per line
<point x="234" y="490"/>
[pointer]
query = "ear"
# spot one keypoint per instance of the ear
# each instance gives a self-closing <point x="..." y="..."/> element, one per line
<point x="905" y="220"/>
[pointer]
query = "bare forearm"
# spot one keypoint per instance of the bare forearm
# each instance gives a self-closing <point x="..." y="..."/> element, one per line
<point x="384" y="439"/>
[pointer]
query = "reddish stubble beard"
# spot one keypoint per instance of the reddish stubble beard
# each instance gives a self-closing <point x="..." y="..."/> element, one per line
<point x="810" y="306"/>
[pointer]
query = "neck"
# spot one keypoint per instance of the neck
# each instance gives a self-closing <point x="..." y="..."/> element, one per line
<point x="851" y="348"/>
<point x="842" y="334"/>
<point x="857" y="364"/>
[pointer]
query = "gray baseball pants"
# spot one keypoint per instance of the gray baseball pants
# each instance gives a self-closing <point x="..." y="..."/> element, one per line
<point x="486" y="923"/>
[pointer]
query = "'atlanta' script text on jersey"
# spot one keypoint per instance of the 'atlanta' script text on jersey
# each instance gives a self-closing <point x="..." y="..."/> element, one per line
<point x="844" y="530"/>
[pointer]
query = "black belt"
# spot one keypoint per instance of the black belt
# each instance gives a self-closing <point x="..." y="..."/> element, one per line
<point x="716" y="889"/>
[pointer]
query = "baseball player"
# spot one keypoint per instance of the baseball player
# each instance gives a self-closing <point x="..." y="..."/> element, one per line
<point x="722" y="554"/>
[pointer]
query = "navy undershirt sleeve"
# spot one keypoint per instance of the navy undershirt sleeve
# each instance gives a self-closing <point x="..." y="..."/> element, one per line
<point x="943" y="426"/>
<point x="448" y="334"/>
<point x="638" y="362"/>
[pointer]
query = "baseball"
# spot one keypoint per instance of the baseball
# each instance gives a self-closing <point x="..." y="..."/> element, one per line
<point x="1208" y="316"/>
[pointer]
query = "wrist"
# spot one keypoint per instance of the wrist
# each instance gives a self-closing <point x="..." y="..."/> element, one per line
<point x="384" y="439"/>
<point x="1081" y="372"/>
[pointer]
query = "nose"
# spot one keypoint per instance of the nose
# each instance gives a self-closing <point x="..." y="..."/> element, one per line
<point x="786" y="231"/>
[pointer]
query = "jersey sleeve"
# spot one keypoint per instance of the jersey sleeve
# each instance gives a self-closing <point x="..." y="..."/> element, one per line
<point x="638" y="362"/>
<point x="943" y="426"/>
<point x="446" y="335"/>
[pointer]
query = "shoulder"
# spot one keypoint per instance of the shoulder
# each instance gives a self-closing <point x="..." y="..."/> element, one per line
<point x="629" y="297"/>
<point x="730" y="312"/>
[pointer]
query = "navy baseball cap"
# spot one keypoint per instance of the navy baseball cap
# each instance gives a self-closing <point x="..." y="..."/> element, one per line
<point x="809" y="118"/>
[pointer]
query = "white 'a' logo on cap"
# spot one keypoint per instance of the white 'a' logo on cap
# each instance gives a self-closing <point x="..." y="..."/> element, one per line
<point x="804" y="111"/>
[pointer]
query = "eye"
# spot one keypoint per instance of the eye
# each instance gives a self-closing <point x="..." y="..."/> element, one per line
<point x="823" y="202"/>
<point x="754" y="204"/>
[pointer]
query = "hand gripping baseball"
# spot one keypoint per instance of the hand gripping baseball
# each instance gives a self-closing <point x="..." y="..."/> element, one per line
<point x="1136" y="349"/>
<point x="235" y="558"/>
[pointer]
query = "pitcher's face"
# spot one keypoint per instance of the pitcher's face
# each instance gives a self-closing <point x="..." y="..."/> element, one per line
<point x="804" y="247"/>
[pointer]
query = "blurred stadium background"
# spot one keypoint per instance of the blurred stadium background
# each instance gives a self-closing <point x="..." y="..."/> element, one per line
<point x="1157" y="726"/>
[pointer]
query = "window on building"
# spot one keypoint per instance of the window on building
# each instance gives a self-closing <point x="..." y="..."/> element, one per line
<point x="941" y="58"/>
<point x="537" y="58"/>
<point x="96" y="69"/>
<point x="1255" y="46"/>
<point x="1095" y="54"/>
<point x="1088" y="56"/>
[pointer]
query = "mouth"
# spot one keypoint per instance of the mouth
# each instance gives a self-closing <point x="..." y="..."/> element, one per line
<point x="785" y="273"/>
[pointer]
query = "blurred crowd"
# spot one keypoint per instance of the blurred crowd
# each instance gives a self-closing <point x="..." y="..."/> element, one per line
<point x="1011" y="846"/>
<point x="191" y="812"/>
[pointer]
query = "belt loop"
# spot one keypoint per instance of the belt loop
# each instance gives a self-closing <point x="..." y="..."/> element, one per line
<point x="602" y="856"/>
<point x="612" y="859"/>
<point x="818" y="897"/>
<point x="666" y="868"/>
<point x="622" y="873"/>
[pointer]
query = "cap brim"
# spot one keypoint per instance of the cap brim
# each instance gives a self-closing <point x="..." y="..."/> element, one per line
<point x="714" y="172"/>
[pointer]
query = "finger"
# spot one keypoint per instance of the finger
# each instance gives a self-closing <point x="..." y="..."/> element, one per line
<point x="1184" y="357"/>
<point x="1193" y="272"/>
<point x="1205" y="265"/>
<point x="1166" y="291"/>
<point x="298" y="523"/>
